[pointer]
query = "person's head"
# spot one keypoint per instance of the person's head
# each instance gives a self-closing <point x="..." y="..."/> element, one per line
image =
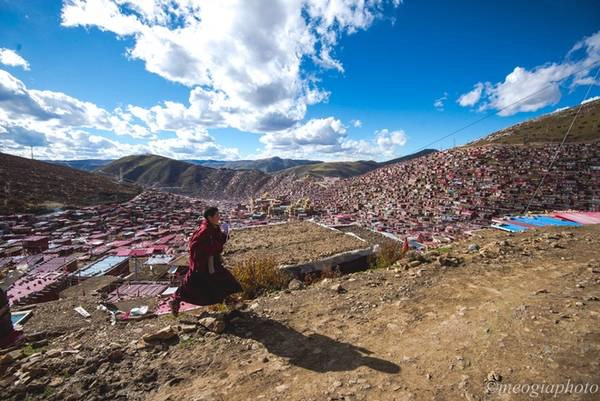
<point x="212" y="215"/>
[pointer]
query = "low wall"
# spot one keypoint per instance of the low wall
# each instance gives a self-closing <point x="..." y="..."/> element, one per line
<point x="346" y="262"/>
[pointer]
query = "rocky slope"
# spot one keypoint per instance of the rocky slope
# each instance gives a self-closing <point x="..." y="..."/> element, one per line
<point x="31" y="185"/>
<point x="495" y="310"/>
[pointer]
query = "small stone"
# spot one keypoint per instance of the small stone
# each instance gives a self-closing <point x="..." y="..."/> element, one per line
<point x="338" y="288"/>
<point x="281" y="388"/>
<point x="188" y="328"/>
<point x="494" y="376"/>
<point x="213" y="324"/>
<point x="473" y="248"/>
<point x="53" y="353"/>
<point x="295" y="284"/>
<point x="56" y="381"/>
<point x="6" y="359"/>
<point x="163" y="334"/>
<point x="414" y="263"/>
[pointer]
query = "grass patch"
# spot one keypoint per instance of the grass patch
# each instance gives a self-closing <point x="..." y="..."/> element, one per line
<point x="259" y="275"/>
<point x="29" y="350"/>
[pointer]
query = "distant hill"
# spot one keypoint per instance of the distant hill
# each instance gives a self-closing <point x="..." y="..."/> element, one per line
<point x="186" y="178"/>
<point x="36" y="186"/>
<point x="85" y="165"/>
<point x="332" y="169"/>
<point x="348" y="169"/>
<point x="406" y="158"/>
<point x="269" y="165"/>
<point x="551" y="128"/>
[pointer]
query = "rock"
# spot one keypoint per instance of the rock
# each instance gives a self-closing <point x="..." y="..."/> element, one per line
<point x="449" y="261"/>
<point x="338" y="288"/>
<point x="473" y="248"/>
<point x="188" y="328"/>
<point x="56" y="381"/>
<point x="414" y="263"/>
<point x="295" y="284"/>
<point x="490" y="251"/>
<point x="494" y="376"/>
<point x="53" y="353"/>
<point x="281" y="388"/>
<point x="6" y="359"/>
<point x="164" y="334"/>
<point x="213" y="324"/>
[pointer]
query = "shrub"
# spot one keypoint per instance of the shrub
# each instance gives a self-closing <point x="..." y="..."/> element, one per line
<point x="259" y="275"/>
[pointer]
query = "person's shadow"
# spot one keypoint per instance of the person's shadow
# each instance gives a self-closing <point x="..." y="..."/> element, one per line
<point x="316" y="352"/>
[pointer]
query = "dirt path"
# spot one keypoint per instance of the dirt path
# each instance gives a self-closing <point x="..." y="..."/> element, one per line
<point x="439" y="336"/>
<point x="524" y="310"/>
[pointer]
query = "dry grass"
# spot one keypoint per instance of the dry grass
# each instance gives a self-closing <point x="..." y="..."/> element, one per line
<point x="259" y="275"/>
<point x="388" y="254"/>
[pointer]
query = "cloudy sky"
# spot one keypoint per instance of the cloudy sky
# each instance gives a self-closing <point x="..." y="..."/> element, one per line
<point x="318" y="79"/>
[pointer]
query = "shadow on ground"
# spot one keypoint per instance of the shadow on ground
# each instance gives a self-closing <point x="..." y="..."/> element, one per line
<point x="315" y="352"/>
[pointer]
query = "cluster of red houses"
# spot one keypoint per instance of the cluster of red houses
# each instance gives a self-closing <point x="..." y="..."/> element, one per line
<point x="41" y="255"/>
<point x="446" y="194"/>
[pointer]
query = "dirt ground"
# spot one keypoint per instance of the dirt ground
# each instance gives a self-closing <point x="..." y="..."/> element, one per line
<point x="522" y="309"/>
<point x="288" y="243"/>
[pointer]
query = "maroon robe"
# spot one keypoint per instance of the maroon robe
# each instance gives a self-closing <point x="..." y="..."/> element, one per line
<point x="200" y="286"/>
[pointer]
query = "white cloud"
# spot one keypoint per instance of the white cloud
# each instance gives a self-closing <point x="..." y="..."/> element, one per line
<point x="326" y="139"/>
<point x="439" y="103"/>
<point x="246" y="57"/>
<point x="192" y="144"/>
<point x="592" y="99"/>
<point x="356" y="123"/>
<point x="42" y="111"/>
<point x="386" y="139"/>
<point x="12" y="59"/>
<point x="61" y="126"/>
<point x="471" y="98"/>
<point x="529" y="90"/>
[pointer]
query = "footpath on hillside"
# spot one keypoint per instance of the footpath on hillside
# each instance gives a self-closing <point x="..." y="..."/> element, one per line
<point x="497" y="317"/>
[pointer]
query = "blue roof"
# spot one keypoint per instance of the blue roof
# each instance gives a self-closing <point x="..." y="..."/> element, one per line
<point x="542" y="221"/>
<point x="102" y="266"/>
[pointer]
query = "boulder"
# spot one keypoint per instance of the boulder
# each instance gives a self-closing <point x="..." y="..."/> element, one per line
<point x="213" y="324"/>
<point x="164" y="334"/>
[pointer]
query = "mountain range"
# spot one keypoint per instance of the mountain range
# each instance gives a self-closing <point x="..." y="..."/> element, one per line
<point x="62" y="183"/>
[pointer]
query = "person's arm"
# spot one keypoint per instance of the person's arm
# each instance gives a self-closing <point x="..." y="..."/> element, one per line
<point x="219" y="239"/>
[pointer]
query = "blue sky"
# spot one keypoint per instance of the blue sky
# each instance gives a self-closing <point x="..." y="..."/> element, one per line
<point x="304" y="78"/>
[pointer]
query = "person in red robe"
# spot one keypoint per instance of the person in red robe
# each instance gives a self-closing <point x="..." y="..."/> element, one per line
<point x="207" y="281"/>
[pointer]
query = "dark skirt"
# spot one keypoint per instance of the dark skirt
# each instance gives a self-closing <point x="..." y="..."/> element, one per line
<point x="202" y="288"/>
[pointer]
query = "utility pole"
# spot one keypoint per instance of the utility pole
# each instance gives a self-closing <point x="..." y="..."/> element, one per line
<point x="31" y="147"/>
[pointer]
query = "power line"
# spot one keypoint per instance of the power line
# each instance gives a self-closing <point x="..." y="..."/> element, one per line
<point x="561" y="143"/>
<point x="589" y="67"/>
